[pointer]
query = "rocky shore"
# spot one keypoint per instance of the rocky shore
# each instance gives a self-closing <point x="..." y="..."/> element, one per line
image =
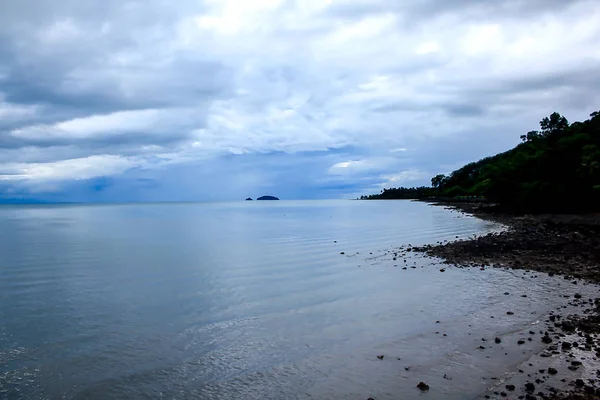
<point x="556" y="244"/>
<point x="565" y="245"/>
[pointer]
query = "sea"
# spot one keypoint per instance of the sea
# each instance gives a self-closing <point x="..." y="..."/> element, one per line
<point x="254" y="300"/>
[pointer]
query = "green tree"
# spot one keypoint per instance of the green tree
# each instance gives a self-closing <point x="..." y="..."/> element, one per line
<point x="438" y="180"/>
<point x="556" y="169"/>
<point x="554" y="124"/>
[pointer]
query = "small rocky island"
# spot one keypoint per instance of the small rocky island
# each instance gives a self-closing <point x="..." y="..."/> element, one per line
<point x="267" y="198"/>
<point x="249" y="199"/>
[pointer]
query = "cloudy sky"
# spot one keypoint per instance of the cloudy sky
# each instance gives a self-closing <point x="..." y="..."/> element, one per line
<point x="154" y="100"/>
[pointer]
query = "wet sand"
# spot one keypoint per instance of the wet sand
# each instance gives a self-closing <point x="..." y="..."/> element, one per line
<point x="568" y="367"/>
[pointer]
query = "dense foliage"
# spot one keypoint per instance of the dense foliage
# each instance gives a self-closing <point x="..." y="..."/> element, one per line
<point x="402" y="193"/>
<point x="556" y="169"/>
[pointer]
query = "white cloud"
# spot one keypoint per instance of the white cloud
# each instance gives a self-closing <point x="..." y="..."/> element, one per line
<point x="350" y="167"/>
<point x="118" y="123"/>
<point x="81" y="168"/>
<point x="354" y="168"/>
<point x="405" y="178"/>
<point x="428" y="47"/>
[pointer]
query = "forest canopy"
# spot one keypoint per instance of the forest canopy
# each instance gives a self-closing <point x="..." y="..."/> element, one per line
<point x="554" y="169"/>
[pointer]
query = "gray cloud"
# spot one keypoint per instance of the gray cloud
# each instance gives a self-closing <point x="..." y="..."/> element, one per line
<point x="111" y="88"/>
<point x="417" y="11"/>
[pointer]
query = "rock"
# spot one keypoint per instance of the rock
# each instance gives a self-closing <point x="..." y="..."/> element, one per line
<point x="577" y="296"/>
<point x="510" y="388"/>
<point x="552" y="371"/>
<point x="579" y="383"/>
<point x="590" y="390"/>
<point x="565" y="345"/>
<point x="576" y="363"/>
<point x="498" y="340"/>
<point x="380" y="357"/>
<point x="521" y="341"/>
<point x="342" y="253"/>
<point x="567" y="326"/>
<point x="529" y="387"/>
<point x="509" y="313"/>
<point x="423" y="386"/>
<point x="547" y="339"/>
<point x="443" y="270"/>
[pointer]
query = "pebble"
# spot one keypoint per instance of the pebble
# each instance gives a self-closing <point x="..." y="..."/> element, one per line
<point x="547" y="339"/>
<point x="530" y="387"/>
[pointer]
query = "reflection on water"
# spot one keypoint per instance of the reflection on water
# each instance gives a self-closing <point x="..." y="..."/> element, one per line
<point x="246" y="300"/>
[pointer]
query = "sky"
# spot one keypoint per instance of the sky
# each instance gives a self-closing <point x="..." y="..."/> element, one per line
<point x="191" y="100"/>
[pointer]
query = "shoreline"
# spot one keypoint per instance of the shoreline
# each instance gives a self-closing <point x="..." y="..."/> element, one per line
<point x="558" y="244"/>
<point x="566" y="245"/>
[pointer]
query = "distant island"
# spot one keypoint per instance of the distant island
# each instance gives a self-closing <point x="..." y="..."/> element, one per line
<point x="249" y="199"/>
<point x="267" y="198"/>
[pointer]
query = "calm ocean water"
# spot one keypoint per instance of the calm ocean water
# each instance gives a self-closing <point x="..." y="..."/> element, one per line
<point x="248" y="300"/>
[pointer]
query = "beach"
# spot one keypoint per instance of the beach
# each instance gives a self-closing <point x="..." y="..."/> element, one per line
<point x="565" y="246"/>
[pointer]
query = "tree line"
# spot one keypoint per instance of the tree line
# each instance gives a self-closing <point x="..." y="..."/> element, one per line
<point x="554" y="169"/>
